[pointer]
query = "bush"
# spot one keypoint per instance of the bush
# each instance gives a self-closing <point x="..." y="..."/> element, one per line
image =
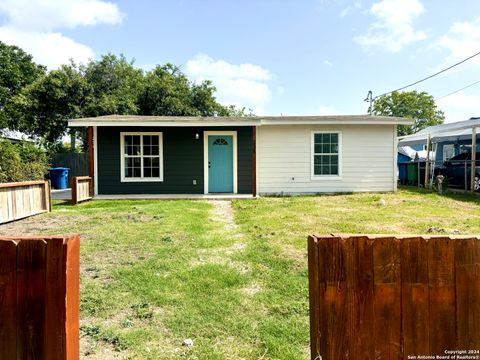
<point x="21" y="162"/>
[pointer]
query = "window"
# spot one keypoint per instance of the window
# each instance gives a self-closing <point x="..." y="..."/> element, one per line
<point x="141" y="156"/>
<point x="448" y="151"/>
<point x="326" y="154"/>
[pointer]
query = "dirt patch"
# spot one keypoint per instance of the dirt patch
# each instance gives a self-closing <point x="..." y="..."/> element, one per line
<point x="223" y="213"/>
<point x="252" y="290"/>
<point x="93" y="351"/>
<point x="38" y="224"/>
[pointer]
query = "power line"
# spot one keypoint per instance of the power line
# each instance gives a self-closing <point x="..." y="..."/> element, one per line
<point x="456" y="91"/>
<point x="430" y="76"/>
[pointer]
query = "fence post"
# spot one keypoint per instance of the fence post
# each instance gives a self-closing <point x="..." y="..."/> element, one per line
<point x="74" y="190"/>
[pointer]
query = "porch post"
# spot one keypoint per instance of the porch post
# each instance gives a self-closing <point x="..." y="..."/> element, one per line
<point x="91" y="161"/>
<point x="427" y="163"/>
<point x="254" y="161"/>
<point x="474" y="158"/>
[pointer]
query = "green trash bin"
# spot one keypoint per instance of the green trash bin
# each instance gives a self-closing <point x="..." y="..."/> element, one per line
<point x="412" y="173"/>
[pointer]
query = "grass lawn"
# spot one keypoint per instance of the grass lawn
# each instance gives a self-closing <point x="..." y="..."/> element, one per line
<point x="157" y="272"/>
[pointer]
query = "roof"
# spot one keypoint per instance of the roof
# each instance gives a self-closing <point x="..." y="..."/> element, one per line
<point x="407" y="151"/>
<point x="444" y="132"/>
<point x="14" y="136"/>
<point x="142" y="120"/>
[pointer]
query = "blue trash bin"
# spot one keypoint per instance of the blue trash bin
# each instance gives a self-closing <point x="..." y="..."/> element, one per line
<point x="59" y="177"/>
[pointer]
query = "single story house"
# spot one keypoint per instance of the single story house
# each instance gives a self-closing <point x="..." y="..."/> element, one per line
<point x="448" y="140"/>
<point x="281" y="155"/>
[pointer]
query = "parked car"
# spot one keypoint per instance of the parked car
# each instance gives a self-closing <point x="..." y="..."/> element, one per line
<point x="458" y="169"/>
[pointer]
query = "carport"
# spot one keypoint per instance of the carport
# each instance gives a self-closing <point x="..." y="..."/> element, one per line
<point x="468" y="129"/>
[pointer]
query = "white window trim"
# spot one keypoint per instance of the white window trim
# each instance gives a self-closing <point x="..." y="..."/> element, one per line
<point x="122" y="157"/>
<point x="205" y="157"/>
<point x="312" y="156"/>
<point x="445" y="147"/>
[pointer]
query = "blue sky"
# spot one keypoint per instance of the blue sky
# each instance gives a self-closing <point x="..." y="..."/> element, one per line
<point x="303" y="57"/>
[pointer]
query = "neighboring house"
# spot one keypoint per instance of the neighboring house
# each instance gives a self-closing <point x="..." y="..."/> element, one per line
<point x="242" y="155"/>
<point x="448" y="140"/>
<point x="14" y="136"/>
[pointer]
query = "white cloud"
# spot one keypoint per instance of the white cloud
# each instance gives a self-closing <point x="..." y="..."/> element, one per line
<point x="349" y="10"/>
<point x="33" y="25"/>
<point x="44" y="15"/>
<point x="459" y="106"/>
<point x="51" y="49"/>
<point x="393" y="29"/>
<point x="461" y="41"/>
<point x="244" y="85"/>
<point x="327" y="63"/>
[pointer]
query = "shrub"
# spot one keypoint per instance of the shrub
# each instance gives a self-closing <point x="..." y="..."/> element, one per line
<point x="21" y="162"/>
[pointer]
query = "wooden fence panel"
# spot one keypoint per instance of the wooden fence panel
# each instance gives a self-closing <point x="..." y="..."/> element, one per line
<point x="467" y="280"/>
<point x="39" y="298"/>
<point x="385" y="297"/>
<point x="8" y="300"/>
<point x="81" y="189"/>
<point x="415" y="303"/>
<point x="22" y="199"/>
<point x="441" y="272"/>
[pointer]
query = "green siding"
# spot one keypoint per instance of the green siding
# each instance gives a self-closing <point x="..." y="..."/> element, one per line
<point x="182" y="161"/>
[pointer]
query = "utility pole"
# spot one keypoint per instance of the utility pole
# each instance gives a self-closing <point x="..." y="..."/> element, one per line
<point x="369" y="98"/>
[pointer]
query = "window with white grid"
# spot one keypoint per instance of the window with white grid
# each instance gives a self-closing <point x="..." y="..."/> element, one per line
<point x="141" y="156"/>
<point x="326" y="154"/>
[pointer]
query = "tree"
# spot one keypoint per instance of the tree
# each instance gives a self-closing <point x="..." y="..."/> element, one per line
<point x="44" y="107"/>
<point x="110" y="85"/>
<point x="410" y="104"/>
<point x="167" y="91"/>
<point x="17" y="70"/>
<point x="116" y="86"/>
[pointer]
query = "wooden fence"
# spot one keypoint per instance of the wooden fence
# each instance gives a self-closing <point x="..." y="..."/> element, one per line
<point x="76" y="162"/>
<point x="22" y="199"/>
<point x="81" y="189"/>
<point x="39" y="298"/>
<point x="383" y="297"/>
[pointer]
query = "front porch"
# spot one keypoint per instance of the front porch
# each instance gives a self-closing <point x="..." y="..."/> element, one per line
<point x="175" y="197"/>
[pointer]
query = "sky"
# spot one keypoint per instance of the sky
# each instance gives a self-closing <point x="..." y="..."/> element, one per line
<point x="276" y="57"/>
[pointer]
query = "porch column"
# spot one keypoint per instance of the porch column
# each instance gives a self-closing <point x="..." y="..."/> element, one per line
<point x="474" y="158"/>
<point x="91" y="159"/>
<point x="254" y="161"/>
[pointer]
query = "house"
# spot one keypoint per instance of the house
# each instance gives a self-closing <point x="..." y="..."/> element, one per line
<point x="448" y="140"/>
<point x="14" y="136"/>
<point x="242" y="155"/>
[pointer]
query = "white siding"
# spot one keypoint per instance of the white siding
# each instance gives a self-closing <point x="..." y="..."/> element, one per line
<point x="284" y="159"/>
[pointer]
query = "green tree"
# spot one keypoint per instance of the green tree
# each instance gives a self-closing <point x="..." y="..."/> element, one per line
<point x="419" y="106"/>
<point x="21" y="162"/>
<point x="44" y="107"/>
<point x="168" y="92"/>
<point x="115" y="84"/>
<point x="17" y="70"/>
<point x="110" y="85"/>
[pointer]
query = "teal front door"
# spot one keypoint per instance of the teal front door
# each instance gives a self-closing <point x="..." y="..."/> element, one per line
<point x="220" y="163"/>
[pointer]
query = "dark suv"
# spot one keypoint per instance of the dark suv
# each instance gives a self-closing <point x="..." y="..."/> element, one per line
<point x="458" y="169"/>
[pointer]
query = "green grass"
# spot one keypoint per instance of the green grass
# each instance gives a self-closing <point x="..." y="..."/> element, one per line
<point x="157" y="272"/>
